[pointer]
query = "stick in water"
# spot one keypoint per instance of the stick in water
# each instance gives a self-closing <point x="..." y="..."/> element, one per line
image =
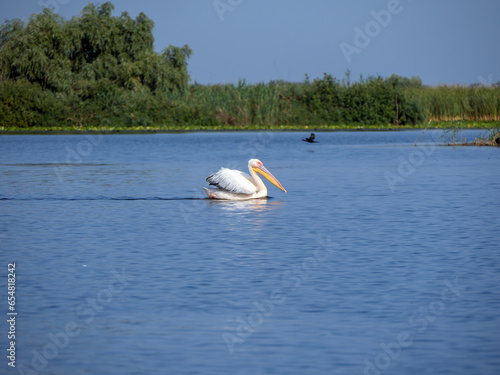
<point x="422" y="133"/>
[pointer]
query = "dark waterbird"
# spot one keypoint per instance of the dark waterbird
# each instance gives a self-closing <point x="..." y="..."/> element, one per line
<point x="310" y="139"/>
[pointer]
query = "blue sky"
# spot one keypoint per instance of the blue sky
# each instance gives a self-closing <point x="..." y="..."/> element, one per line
<point x="442" y="41"/>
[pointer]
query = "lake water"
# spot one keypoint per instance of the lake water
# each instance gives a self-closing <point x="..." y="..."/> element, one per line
<point x="383" y="258"/>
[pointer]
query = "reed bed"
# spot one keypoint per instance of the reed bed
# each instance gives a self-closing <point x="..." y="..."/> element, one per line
<point x="322" y="103"/>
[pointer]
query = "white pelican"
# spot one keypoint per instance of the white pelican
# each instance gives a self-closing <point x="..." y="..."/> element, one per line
<point x="236" y="185"/>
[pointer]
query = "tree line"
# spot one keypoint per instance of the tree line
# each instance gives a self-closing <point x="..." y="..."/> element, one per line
<point x="97" y="69"/>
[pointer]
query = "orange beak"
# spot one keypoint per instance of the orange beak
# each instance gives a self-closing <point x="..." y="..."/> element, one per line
<point x="264" y="172"/>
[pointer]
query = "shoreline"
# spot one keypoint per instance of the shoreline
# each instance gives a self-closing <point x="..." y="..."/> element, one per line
<point x="443" y="125"/>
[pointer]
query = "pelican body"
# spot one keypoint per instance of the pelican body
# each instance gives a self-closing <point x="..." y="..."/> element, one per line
<point x="231" y="184"/>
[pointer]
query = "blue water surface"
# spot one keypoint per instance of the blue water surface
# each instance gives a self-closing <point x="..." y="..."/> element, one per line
<point x="382" y="258"/>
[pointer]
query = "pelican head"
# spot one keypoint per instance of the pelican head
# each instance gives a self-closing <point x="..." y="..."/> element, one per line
<point x="257" y="166"/>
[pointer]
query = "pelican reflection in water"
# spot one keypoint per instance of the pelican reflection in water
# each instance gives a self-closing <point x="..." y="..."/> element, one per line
<point x="245" y="206"/>
<point x="231" y="184"/>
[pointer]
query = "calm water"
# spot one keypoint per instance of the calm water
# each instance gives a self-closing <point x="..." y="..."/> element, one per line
<point x="382" y="258"/>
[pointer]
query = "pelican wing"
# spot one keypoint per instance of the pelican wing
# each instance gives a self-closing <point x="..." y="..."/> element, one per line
<point x="232" y="180"/>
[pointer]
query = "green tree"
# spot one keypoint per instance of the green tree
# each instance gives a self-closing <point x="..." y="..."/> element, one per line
<point x="36" y="51"/>
<point x="93" y="67"/>
<point x="94" y="46"/>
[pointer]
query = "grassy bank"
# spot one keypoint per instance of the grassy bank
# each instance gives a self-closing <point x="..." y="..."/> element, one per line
<point x="183" y="128"/>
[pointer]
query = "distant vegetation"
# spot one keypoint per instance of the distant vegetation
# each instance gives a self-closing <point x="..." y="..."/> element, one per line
<point x="98" y="71"/>
<point x="455" y="137"/>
